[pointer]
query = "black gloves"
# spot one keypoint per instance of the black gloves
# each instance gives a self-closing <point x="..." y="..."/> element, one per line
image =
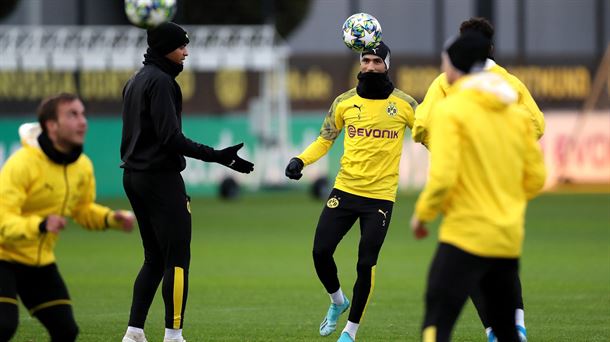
<point x="229" y="158"/>
<point x="294" y="168"/>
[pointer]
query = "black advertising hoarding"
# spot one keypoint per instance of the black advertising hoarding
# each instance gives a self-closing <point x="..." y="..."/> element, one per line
<point x="313" y="82"/>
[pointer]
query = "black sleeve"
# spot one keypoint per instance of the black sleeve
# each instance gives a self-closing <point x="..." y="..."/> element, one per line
<point x="165" y="121"/>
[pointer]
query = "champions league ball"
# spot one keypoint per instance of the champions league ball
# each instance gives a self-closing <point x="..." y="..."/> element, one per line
<point x="150" y="13"/>
<point x="361" y="32"/>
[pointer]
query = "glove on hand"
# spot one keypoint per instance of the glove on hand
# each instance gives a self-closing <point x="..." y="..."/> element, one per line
<point x="294" y="168"/>
<point x="229" y="158"/>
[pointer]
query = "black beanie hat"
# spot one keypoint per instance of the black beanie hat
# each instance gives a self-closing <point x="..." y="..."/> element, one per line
<point x="382" y="51"/>
<point x="468" y="49"/>
<point x="166" y="38"/>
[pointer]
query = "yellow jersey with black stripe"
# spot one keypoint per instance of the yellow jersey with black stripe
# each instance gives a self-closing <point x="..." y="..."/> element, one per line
<point x="374" y="134"/>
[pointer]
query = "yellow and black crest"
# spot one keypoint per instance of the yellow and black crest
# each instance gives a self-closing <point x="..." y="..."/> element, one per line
<point x="332" y="202"/>
<point x="392" y="110"/>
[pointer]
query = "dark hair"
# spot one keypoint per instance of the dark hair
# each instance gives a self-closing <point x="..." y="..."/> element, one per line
<point x="478" y="24"/>
<point x="47" y="110"/>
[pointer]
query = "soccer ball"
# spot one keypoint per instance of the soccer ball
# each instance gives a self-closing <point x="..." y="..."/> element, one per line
<point x="361" y="32"/>
<point x="150" y="13"/>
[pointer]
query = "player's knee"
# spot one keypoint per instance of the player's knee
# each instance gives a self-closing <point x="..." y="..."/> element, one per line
<point x="366" y="264"/>
<point x="321" y="253"/>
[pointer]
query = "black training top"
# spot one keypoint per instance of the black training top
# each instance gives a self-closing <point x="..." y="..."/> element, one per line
<point x="152" y="137"/>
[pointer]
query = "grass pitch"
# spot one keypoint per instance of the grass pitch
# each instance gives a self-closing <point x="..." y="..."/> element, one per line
<point x="252" y="276"/>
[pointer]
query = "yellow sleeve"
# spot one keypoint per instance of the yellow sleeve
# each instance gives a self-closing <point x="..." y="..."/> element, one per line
<point x="15" y="179"/>
<point x="410" y="106"/>
<point x="315" y="150"/>
<point x="526" y="101"/>
<point x="444" y="161"/>
<point x="331" y="128"/>
<point x="534" y="170"/>
<point x="89" y="214"/>
<point x="435" y="93"/>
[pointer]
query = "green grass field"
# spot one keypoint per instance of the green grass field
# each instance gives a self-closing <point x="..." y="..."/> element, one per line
<point x="252" y="277"/>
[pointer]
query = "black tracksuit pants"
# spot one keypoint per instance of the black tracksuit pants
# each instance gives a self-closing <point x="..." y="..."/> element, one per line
<point x="453" y="275"/>
<point x="339" y="215"/>
<point x="162" y="207"/>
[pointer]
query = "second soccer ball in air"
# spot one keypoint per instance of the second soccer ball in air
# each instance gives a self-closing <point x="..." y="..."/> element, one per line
<point x="361" y="31"/>
<point x="150" y="13"/>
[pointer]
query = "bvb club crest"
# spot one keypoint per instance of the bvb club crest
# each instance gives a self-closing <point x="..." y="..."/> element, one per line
<point x="392" y="110"/>
<point x="332" y="203"/>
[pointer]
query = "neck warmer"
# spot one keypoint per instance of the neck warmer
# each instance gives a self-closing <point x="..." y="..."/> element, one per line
<point x="167" y="66"/>
<point x="55" y="155"/>
<point x="374" y="85"/>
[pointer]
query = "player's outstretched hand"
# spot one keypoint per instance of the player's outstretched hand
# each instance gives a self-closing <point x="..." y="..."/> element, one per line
<point x="229" y="158"/>
<point x="418" y="228"/>
<point x="126" y="218"/>
<point x="294" y="168"/>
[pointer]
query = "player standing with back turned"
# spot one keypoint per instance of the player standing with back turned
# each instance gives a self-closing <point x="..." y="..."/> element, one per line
<point x="485" y="164"/>
<point x="375" y="116"/>
<point x="423" y="116"/>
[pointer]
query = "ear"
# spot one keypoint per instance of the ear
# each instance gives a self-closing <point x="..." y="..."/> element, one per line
<point x="51" y="125"/>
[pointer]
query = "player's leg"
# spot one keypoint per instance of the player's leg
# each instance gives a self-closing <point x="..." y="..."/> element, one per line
<point x="500" y="296"/>
<point x="477" y="300"/>
<point x="479" y="303"/>
<point x="44" y="293"/>
<point x="335" y="221"/>
<point x="150" y="275"/>
<point x="374" y="223"/>
<point x="9" y="315"/>
<point x="172" y="224"/>
<point x="519" y="311"/>
<point x="444" y="303"/>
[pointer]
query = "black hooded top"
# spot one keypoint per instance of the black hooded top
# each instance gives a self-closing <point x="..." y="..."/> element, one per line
<point x="152" y="137"/>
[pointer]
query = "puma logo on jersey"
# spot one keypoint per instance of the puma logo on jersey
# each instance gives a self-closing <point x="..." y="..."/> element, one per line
<point x="359" y="110"/>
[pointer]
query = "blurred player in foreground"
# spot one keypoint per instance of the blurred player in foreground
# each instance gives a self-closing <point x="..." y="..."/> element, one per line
<point x="153" y="148"/>
<point x="438" y="91"/>
<point x="45" y="182"/>
<point x="375" y="116"/>
<point x="485" y="164"/>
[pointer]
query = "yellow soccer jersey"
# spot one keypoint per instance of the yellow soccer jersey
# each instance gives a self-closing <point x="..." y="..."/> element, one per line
<point x="374" y="134"/>
<point x="438" y="91"/>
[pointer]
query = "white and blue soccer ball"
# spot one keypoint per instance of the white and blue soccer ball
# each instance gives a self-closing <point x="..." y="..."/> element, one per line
<point x="150" y="13"/>
<point x="361" y="32"/>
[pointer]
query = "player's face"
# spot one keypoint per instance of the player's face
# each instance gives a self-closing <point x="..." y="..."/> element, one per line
<point x="69" y="130"/>
<point x="179" y="55"/>
<point x="372" y="63"/>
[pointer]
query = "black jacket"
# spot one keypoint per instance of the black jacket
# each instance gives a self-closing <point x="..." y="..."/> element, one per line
<point x="152" y="136"/>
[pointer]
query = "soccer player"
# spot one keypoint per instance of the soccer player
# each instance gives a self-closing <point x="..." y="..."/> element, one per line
<point x="438" y="91"/>
<point x="45" y="182"/>
<point x="375" y="116"/>
<point x="438" y="88"/>
<point x="153" y="148"/>
<point x="485" y="165"/>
